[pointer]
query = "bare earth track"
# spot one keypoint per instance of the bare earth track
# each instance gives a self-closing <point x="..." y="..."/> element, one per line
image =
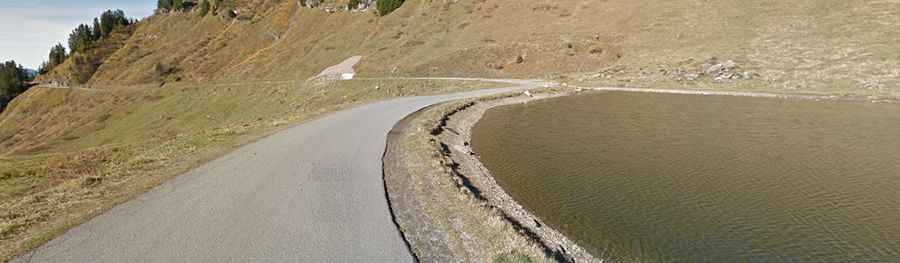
<point x="311" y="193"/>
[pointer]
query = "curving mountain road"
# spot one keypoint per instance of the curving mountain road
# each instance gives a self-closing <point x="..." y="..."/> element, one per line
<point x="311" y="193"/>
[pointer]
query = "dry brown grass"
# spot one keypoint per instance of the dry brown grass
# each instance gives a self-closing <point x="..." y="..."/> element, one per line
<point x="281" y="40"/>
<point x="819" y="47"/>
<point x="828" y="46"/>
<point x="68" y="154"/>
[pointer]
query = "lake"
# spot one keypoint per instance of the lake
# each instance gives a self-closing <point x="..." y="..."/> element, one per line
<point x="690" y="178"/>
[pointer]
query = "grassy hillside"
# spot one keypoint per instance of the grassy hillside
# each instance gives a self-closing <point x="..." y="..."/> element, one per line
<point x="184" y="88"/>
<point x="791" y="46"/>
<point x="826" y="46"/>
<point x="80" y="67"/>
<point x="281" y="40"/>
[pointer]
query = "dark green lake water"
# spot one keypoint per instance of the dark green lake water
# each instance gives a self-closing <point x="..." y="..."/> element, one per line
<point x="688" y="178"/>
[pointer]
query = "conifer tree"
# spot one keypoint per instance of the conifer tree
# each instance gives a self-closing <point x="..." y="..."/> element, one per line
<point x="81" y="38"/>
<point x="385" y="7"/>
<point x="108" y="22"/>
<point x="177" y="5"/>
<point x="164" y="5"/>
<point x="204" y="7"/>
<point x="57" y="56"/>
<point x="97" y="33"/>
<point x="12" y="82"/>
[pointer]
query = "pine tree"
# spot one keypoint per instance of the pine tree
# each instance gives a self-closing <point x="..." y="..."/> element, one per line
<point x="12" y="82"/>
<point x="97" y="34"/>
<point x="107" y="22"/>
<point x="57" y="56"/>
<point x="84" y="36"/>
<point x="177" y="5"/>
<point x="120" y="19"/>
<point x="44" y="67"/>
<point x="81" y="38"/>
<point x="204" y="7"/>
<point x="385" y="7"/>
<point x="164" y="5"/>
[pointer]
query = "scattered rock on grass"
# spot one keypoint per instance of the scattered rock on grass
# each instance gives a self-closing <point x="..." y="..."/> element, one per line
<point x="688" y="70"/>
<point x="91" y="181"/>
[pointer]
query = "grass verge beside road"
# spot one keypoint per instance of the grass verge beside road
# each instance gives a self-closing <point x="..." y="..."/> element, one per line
<point x="67" y="155"/>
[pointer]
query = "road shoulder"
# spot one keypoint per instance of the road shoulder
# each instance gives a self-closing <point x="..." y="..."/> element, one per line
<point x="447" y="205"/>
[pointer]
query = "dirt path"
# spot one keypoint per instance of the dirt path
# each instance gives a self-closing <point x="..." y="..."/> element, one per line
<point x="311" y="193"/>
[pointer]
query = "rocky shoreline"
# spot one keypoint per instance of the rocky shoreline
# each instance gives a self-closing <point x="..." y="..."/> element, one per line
<point x="457" y="136"/>
<point x="452" y="134"/>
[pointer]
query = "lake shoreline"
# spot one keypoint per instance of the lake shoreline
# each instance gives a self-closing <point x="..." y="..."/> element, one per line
<point x="815" y="97"/>
<point x="461" y="125"/>
<point x="453" y="132"/>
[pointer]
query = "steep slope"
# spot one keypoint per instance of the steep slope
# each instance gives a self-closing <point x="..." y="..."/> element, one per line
<point x="282" y="40"/>
<point x="785" y="45"/>
<point x="80" y="67"/>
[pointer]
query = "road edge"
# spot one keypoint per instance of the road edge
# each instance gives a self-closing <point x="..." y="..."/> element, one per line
<point x="471" y="179"/>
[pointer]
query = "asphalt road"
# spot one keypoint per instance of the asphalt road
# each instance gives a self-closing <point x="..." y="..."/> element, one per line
<point x="311" y="193"/>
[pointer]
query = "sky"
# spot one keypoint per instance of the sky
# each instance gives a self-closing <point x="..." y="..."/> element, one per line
<point x="28" y="28"/>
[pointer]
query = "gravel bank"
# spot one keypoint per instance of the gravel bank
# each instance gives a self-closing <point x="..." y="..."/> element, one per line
<point x="449" y="133"/>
